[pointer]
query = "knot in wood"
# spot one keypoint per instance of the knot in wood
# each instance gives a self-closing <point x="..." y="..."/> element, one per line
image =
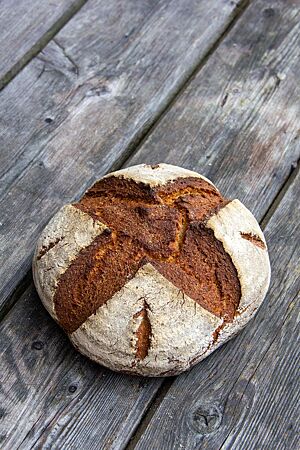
<point x="269" y="12"/>
<point x="205" y="419"/>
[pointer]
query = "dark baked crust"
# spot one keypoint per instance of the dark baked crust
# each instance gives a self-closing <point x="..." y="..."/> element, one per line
<point x="164" y="226"/>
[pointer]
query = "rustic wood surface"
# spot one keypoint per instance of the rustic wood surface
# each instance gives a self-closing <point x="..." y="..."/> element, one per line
<point x="236" y="122"/>
<point x="26" y="27"/>
<point x="81" y="105"/>
<point x="240" y="113"/>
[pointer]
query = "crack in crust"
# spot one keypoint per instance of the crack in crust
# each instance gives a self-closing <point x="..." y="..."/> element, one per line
<point x="204" y="271"/>
<point x="256" y="240"/>
<point x="143" y="333"/>
<point x="45" y="248"/>
<point x="165" y="226"/>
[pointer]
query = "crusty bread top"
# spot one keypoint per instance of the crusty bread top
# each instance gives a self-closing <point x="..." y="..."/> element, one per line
<point x="151" y="224"/>
<point x="156" y="174"/>
<point x="161" y="224"/>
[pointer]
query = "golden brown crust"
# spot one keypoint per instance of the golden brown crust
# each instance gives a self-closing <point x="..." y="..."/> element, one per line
<point x="100" y="270"/>
<point x="162" y="225"/>
<point x="205" y="272"/>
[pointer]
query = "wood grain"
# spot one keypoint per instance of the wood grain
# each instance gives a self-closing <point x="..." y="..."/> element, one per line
<point x="240" y="114"/>
<point x="84" y="102"/>
<point x="245" y="395"/>
<point x="26" y="27"/>
<point x="104" y="414"/>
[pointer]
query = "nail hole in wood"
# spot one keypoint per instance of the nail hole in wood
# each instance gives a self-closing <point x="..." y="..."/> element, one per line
<point x="72" y="389"/>
<point x="37" y="345"/>
<point x="224" y="100"/>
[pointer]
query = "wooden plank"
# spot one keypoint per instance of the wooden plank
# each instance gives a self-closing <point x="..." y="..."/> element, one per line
<point x="239" y="115"/>
<point x="85" y="101"/>
<point x="26" y="27"/>
<point x="245" y="395"/>
<point x="52" y="397"/>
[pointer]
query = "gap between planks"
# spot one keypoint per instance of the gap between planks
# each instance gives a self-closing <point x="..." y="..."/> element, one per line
<point x="167" y="383"/>
<point x="281" y="193"/>
<point x="24" y="284"/>
<point x="149" y="413"/>
<point x="137" y="142"/>
<point x="41" y="43"/>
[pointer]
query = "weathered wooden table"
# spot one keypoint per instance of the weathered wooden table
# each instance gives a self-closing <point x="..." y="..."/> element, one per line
<point x="91" y="86"/>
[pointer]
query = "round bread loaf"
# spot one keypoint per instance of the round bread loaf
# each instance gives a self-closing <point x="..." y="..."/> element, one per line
<point x="152" y="269"/>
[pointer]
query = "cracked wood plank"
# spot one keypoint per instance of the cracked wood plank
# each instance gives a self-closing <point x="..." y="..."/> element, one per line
<point x="245" y="395"/>
<point x="26" y="27"/>
<point x="80" y="106"/>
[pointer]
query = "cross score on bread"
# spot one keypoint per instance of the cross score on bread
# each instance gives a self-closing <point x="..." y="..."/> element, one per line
<point x="152" y="269"/>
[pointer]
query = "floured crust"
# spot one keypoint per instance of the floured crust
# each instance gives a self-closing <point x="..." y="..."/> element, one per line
<point x="66" y="234"/>
<point x="141" y="233"/>
<point x="250" y="258"/>
<point x="180" y="327"/>
<point x="156" y="175"/>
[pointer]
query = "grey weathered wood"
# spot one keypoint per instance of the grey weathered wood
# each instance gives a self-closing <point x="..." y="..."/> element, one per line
<point x="55" y="432"/>
<point x="26" y="26"/>
<point x="54" y="398"/>
<point x="85" y="101"/>
<point x="82" y="422"/>
<point x="245" y="395"/>
<point x="240" y="114"/>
